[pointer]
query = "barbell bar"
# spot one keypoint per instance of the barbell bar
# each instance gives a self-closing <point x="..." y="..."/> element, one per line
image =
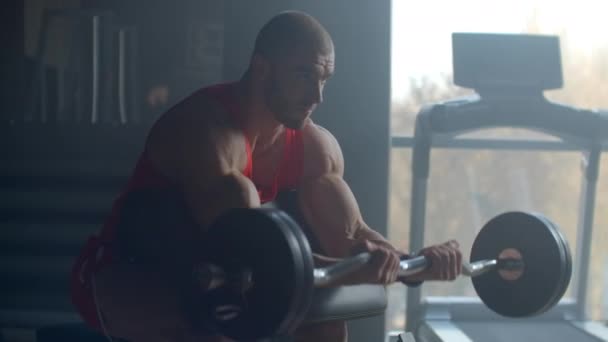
<point x="211" y="276"/>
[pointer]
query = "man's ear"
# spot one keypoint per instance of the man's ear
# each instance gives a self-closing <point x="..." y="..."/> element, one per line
<point x="260" y="67"/>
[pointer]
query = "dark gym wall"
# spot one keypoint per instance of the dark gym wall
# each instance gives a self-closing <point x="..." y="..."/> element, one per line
<point x="11" y="69"/>
<point x="242" y="21"/>
<point x="356" y="110"/>
<point x="357" y="98"/>
<point x="180" y="44"/>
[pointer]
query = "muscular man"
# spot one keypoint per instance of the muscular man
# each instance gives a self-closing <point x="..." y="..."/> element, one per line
<point x="238" y="145"/>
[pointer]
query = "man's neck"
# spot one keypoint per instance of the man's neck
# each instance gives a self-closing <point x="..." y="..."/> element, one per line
<point x="259" y="125"/>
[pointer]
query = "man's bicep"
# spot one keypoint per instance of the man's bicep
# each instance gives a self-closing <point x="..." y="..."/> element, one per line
<point x="322" y="153"/>
<point x="209" y="175"/>
<point x="332" y="213"/>
<point x="326" y="202"/>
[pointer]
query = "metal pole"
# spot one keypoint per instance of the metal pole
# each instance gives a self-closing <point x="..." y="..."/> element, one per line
<point x="420" y="174"/>
<point x="122" y="106"/>
<point x="417" y="218"/>
<point x="584" y="239"/>
<point x="95" y="70"/>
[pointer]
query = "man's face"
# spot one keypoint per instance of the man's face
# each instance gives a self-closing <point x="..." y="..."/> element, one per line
<point x="295" y="84"/>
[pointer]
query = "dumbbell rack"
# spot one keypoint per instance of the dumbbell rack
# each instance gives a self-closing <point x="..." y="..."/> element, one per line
<point x="106" y="66"/>
<point x="439" y="125"/>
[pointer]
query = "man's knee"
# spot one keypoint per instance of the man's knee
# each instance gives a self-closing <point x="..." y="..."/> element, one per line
<point x="131" y="305"/>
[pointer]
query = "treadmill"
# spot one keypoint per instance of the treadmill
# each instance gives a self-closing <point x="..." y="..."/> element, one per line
<point x="509" y="73"/>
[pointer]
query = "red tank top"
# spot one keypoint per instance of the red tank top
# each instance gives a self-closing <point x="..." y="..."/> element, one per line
<point x="146" y="176"/>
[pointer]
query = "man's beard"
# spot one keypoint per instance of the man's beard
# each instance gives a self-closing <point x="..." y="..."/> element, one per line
<point x="279" y="106"/>
<point x="289" y="122"/>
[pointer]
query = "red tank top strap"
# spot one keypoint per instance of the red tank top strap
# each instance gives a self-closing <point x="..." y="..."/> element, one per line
<point x="292" y="164"/>
<point x="248" y="171"/>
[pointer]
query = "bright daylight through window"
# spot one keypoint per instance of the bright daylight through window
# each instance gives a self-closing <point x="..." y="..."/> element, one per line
<point x="468" y="187"/>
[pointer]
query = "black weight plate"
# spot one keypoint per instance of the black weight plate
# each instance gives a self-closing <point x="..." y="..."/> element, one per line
<point x="568" y="262"/>
<point x="263" y="241"/>
<point x="566" y="267"/>
<point x="305" y="290"/>
<point x="544" y="260"/>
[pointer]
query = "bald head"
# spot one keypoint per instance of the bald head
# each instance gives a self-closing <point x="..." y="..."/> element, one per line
<point x="292" y="59"/>
<point x="292" y="31"/>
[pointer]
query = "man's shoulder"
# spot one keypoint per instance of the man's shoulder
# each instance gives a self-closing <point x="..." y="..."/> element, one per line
<point x="198" y="112"/>
<point x="318" y="138"/>
<point x="197" y="126"/>
<point x="201" y="107"/>
<point x="322" y="153"/>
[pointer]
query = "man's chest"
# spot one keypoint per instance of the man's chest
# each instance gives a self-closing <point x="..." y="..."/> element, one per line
<point x="267" y="165"/>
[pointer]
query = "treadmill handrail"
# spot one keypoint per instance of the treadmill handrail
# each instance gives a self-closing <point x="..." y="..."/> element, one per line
<point x="579" y="126"/>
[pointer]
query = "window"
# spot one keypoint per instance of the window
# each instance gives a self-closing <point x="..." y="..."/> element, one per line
<point x="468" y="186"/>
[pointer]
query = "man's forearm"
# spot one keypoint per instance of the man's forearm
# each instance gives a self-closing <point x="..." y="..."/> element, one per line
<point x="366" y="233"/>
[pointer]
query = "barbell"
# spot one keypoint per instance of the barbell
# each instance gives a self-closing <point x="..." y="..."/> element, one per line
<point x="520" y="266"/>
